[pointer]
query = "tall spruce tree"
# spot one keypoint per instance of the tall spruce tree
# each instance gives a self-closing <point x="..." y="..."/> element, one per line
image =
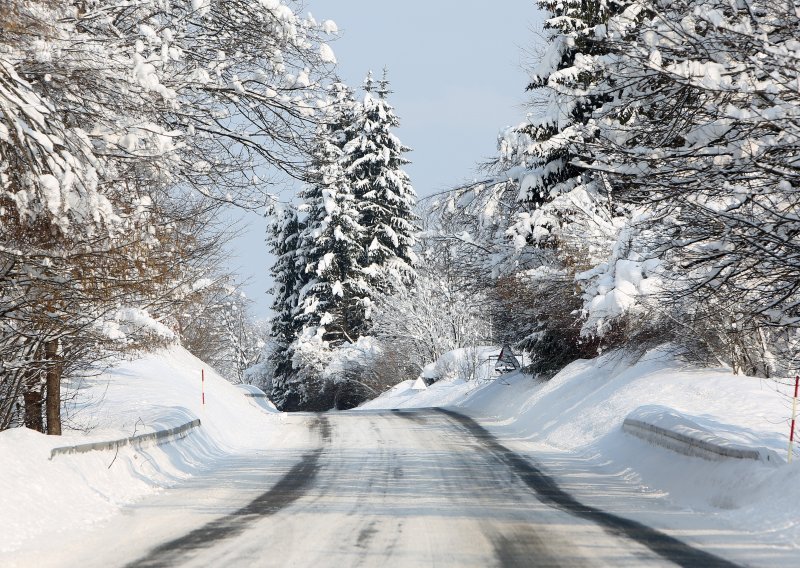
<point x="562" y="87"/>
<point x="563" y="221"/>
<point x="354" y="243"/>
<point x="373" y="162"/>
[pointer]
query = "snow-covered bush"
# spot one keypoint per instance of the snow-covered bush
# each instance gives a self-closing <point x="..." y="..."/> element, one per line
<point x="216" y="326"/>
<point x="437" y="313"/>
<point x="327" y="376"/>
<point x="465" y="364"/>
<point x="356" y="373"/>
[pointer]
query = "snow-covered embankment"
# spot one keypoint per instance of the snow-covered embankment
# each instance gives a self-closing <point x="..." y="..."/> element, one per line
<point x="138" y="399"/>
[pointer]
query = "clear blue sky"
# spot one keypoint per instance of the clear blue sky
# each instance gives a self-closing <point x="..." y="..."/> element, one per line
<point x="456" y="72"/>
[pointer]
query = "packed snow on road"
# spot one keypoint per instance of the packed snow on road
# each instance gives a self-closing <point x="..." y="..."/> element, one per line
<point x="399" y="481"/>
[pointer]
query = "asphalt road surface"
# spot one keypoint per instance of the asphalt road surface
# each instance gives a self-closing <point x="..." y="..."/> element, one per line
<point x="393" y="488"/>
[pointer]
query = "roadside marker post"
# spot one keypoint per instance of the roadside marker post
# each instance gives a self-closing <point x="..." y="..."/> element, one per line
<point x="794" y="416"/>
<point x="203" y="387"/>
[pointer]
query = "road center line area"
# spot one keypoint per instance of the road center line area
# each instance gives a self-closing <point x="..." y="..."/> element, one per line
<point x="374" y="488"/>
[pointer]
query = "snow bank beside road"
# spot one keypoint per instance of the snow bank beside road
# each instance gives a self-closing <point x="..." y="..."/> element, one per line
<point x="589" y="400"/>
<point x="156" y="392"/>
<point x="441" y="393"/>
<point x="457" y="374"/>
<point x="579" y="413"/>
<point x="161" y="390"/>
<point x="467" y="363"/>
<point x="258" y="398"/>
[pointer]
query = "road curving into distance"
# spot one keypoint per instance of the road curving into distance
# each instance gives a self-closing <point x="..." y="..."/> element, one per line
<point x="378" y="488"/>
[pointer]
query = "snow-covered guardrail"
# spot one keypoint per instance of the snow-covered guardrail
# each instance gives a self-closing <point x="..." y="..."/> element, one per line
<point x="252" y="391"/>
<point x="158" y="437"/>
<point x="666" y="428"/>
<point x="260" y="398"/>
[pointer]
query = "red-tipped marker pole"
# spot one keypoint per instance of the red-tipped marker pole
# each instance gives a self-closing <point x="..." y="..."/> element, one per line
<point x="794" y="416"/>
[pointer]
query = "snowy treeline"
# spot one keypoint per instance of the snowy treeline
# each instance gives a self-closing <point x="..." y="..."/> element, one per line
<point x="649" y="198"/>
<point x="652" y="194"/>
<point x="125" y="127"/>
<point x="347" y="244"/>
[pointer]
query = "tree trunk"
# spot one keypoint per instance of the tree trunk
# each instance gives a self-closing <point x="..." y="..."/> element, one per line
<point x="33" y="403"/>
<point x="53" y="386"/>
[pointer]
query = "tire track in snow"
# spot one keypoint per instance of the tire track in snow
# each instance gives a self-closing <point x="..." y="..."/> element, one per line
<point x="551" y="494"/>
<point x="291" y="487"/>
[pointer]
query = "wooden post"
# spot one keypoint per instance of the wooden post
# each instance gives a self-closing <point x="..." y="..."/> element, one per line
<point x="794" y="416"/>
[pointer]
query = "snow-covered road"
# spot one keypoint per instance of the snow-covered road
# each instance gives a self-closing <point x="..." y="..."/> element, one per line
<point x="370" y="488"/>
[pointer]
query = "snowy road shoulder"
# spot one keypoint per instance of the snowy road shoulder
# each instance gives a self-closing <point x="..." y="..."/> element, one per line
<point x="142" y="440"/>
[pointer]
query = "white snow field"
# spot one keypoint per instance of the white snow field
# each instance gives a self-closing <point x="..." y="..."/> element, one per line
<point x="382" y="486"/>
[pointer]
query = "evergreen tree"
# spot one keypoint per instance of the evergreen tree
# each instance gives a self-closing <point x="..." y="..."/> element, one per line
<point x="333" y="298"/>
<point x="353" y="245"/>
<point x="284" y="234"/>
<point x="549" y="146"/>
<point x="373" y="162"/>
<point x="564" y="223"/>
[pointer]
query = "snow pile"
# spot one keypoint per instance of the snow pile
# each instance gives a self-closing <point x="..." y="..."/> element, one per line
<point x="356" y="355"/>
<point x="408" y="395"/>
<point x="128" y="321"/>
<point x="665" y="427"/>
<point x="158" y="391"/>
<point x="258" y="397"/>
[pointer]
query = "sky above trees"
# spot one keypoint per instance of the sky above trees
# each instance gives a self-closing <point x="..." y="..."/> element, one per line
<point x="456" y="72"/>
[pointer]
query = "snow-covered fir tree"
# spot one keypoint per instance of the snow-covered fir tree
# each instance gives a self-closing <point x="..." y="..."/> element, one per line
<point x="373" y="162"/>
<point x="354" y="243"/>
<point x="564" y="207"/>
<point x="335" y="294"/>
<point x="545" y="147"/>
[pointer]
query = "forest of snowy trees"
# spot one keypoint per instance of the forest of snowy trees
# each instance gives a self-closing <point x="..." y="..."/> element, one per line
<point x="648" y="199"/>
<point x="651" y="197"/>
